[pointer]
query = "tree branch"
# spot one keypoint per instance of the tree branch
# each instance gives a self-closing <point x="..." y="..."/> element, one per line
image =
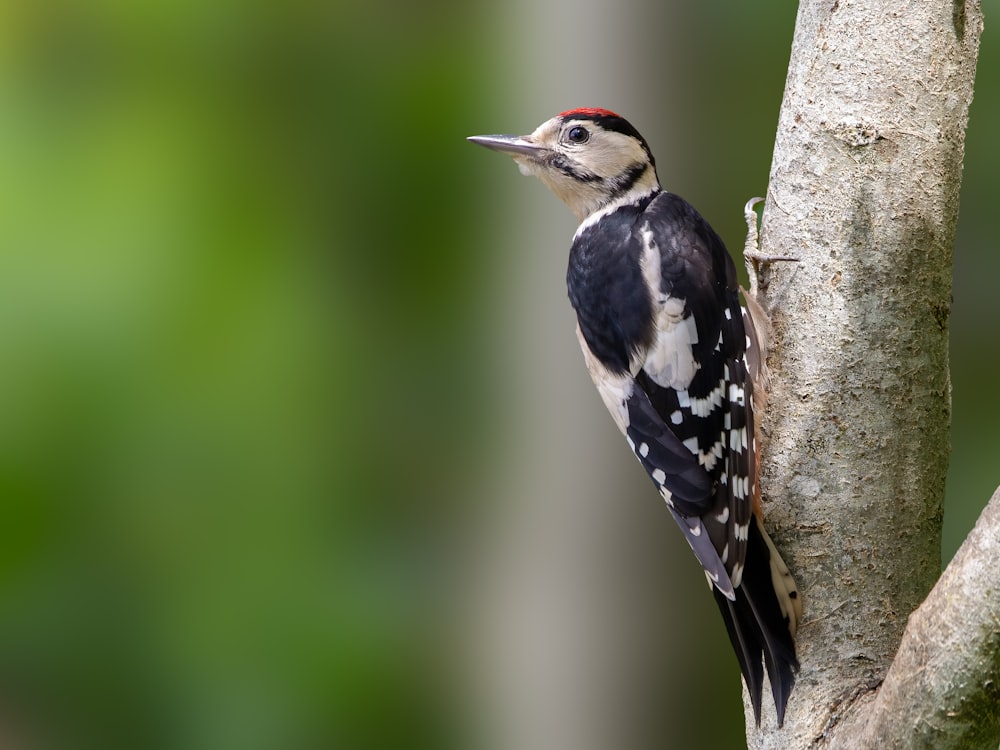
<point x="863" y="190"/>
<point x="943" y="688"/>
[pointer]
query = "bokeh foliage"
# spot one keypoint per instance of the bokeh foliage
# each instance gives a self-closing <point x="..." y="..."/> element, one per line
<point x="232" y="283"/>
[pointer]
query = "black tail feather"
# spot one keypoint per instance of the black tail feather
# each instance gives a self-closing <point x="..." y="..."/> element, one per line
<point x="745" y="644"/>
<point x="758" y="630"/>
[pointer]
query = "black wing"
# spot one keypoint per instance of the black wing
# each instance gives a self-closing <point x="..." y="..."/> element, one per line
<point x="694" y="373"/>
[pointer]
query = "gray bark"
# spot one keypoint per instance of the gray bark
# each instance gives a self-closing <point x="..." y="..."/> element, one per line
<point x="943" y="688"/>
<point x="864" y="190"/>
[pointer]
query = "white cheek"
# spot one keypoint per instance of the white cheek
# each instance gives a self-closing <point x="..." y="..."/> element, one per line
<point x="525" y="169"/>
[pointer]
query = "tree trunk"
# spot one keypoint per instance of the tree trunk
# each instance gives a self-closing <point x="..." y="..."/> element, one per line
<point x="864" y="191"/>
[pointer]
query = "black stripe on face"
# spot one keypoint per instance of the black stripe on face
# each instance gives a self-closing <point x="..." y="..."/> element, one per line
<point x="570" y="169"/>
<point x="617" y="185"/>
<point x="624" y="182"/>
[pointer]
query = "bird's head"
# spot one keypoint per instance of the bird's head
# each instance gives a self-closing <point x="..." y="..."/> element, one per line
<point x="588" y="157"/>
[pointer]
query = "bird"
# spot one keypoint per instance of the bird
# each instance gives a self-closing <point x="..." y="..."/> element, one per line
<point x="676" y="358"/>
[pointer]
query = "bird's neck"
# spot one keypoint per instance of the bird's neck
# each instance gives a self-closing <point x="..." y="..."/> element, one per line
<point x="635" y="195"/>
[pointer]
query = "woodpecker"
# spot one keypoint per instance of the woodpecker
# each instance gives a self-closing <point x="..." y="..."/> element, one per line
<point x="675" y="358"/>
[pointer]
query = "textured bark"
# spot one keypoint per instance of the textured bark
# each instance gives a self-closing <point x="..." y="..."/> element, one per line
<point x="943" y="688"/>
<point x="864" y="190"/>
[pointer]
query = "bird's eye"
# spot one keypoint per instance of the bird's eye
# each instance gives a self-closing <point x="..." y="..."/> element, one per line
<point x="577" y="134"/>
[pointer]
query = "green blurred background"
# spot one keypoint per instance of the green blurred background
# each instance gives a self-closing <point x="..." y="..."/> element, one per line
<point x="296" y="445"/>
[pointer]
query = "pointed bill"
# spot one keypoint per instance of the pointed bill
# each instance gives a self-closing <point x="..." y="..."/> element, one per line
<point x="508" y="144"/>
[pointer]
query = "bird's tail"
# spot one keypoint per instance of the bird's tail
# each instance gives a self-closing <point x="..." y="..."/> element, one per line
<point x="762" y="621"/>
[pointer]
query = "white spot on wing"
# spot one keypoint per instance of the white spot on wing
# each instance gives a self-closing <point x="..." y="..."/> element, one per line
<point x="702" y="407"/>
<point x="738" y="489"/>
<point x="738" y="440"/>
<point x="710" y="457"/>
<point x="737" y="576"/>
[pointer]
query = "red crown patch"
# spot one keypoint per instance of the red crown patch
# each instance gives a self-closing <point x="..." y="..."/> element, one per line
<point x="589" y="112"/>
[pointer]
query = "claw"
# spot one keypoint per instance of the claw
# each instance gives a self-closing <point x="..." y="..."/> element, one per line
<point x="759" y="258"/>
<point x="749" y="212"/>
<point x="751" y="249"/>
